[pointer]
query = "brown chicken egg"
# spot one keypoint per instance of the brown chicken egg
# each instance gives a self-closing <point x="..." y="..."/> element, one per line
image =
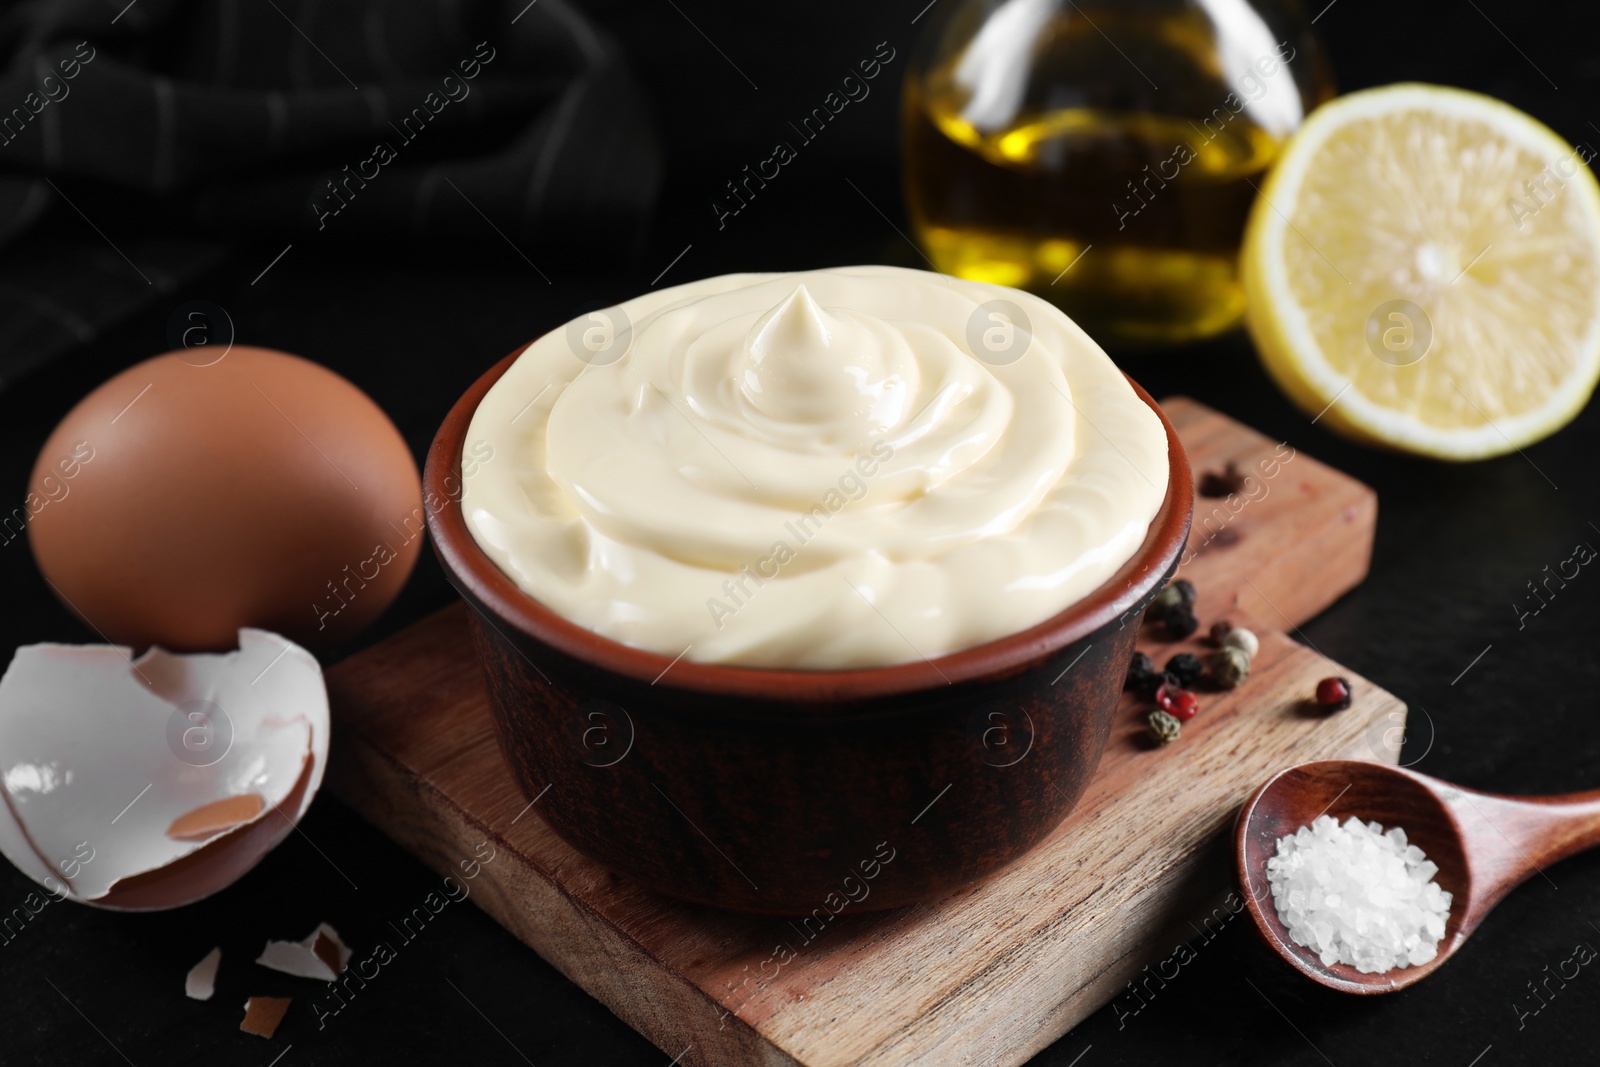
<point x="185" y="499"/>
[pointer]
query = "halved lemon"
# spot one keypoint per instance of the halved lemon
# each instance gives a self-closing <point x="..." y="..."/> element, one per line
<point x="1422" y="270"/>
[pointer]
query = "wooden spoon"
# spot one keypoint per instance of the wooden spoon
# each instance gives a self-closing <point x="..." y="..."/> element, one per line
<point x="1485" y="846"/>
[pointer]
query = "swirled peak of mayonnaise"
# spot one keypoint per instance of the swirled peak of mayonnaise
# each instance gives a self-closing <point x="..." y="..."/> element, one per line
<point x="838" y="468"/>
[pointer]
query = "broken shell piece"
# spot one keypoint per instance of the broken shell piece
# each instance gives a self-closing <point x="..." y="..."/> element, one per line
<point x="151" y="783"/>
<point x="263" y="1014"/>
<point x="201" y="981"/>
<point x="320" y="955"/>
<point x="330" y="950"/>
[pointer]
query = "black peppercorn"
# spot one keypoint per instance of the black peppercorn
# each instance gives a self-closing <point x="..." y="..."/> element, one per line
<point x="1181" y="622"/>
<point x="1186" y="667"/>
<point x="1141" y="672"/>
<point x="1222" y="483"/>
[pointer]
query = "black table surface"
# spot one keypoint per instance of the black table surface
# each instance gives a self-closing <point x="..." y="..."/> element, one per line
<point x="1496" y="704"/>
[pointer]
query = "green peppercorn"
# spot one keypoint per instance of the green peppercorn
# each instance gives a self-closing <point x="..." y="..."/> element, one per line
<point x="1163" y="727"/>
<point x="1230" y="666"/>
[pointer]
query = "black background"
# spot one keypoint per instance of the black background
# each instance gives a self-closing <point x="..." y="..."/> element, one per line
<point x="1455" y="547"/>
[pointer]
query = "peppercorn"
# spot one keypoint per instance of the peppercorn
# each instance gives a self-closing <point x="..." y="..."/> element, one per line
<point x="1243" y="640"/>
<point x="1185" y="667"/>
<point x="1180" y="593"/>
<point x="1141" y="672"/>
<point x="1163" y="727"/>
<point x="1165" y="601"/>
<point x="1181" y="622"/>
<point x="1229" y="480"/>
<point x="1177" y="702"/>
<point x="1219" y="631"/>
<point x="1230" y="666"/>
<point x="1333" y="694"/>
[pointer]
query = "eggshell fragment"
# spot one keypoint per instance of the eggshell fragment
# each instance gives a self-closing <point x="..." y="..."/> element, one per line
<point x="330" y="950"/>
<point x="320" y="955"/>
<point x="201" y="980"/>
<point x="263" y="1014"/>
<point x="102" y="755"/>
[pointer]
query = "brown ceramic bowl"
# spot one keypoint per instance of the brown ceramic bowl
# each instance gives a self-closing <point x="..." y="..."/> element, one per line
<point x="789" y="792"/>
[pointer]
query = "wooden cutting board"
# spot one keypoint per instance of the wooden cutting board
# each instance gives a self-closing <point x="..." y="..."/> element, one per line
<point x="992" y="973"/>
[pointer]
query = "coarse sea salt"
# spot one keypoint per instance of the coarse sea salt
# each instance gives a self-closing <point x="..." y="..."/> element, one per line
<point x="1359" y="895"/>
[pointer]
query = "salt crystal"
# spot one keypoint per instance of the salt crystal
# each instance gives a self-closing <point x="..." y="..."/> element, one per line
<point x="1359" y="895"/>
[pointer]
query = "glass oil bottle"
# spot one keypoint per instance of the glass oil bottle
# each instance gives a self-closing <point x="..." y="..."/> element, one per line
<point x="1104" y="153"/>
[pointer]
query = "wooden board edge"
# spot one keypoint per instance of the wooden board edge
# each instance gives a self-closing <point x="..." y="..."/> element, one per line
<point x="641" y="990"/>
<point x="657" y="1001"/>
<point x="1344" y="549"/>
<point x="1158" y="940"/>
<point x="1213" y="861"/>
<point x="1160" y="910"/>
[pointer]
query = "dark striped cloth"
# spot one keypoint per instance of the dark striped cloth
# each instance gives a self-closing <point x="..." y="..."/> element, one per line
<point x="398" y="120"/>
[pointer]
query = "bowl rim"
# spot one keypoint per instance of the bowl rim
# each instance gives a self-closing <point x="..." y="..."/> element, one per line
<point x="485" y="586"/>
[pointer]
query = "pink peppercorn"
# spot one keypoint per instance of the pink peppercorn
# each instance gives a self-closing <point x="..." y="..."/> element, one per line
<point x="1333" y="694"/>
<point x="1179" y="703"/>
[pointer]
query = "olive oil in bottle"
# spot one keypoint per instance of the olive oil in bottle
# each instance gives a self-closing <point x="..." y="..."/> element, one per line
<point x="1104" y="155"/>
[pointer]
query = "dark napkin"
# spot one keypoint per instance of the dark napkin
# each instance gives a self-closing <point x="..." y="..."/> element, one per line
<point x="447" y="123"/>
<point x="433" y="119"/>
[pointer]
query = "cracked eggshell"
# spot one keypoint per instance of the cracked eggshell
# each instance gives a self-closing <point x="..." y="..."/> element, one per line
<point x="102" y="755"/>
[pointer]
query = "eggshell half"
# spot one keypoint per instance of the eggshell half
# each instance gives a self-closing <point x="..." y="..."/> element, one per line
<point x="101" y="754"/>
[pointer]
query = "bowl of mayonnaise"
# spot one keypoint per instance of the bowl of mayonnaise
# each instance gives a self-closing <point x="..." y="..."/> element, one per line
<point x="810" y="591"/>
